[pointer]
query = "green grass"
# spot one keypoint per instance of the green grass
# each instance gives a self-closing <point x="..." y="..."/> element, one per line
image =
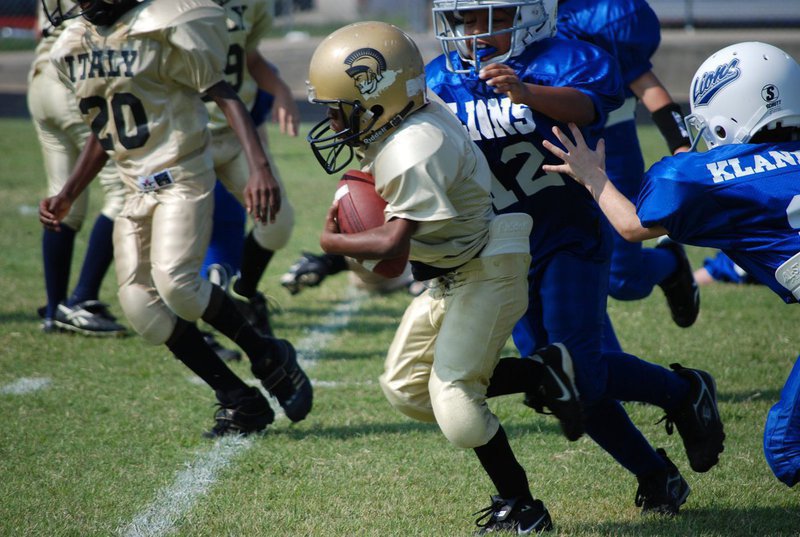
<point x="120" y="421"/>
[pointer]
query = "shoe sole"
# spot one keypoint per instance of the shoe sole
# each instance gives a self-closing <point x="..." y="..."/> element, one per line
<point x="683" y="321"/>
<point x="569" y="414"/>
<point x="298" y="406"/>
<point x="92" y="333"/>
<point x="709" y="457"/>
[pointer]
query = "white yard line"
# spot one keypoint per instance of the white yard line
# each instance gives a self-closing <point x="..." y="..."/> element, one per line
<point x="25" y="385"/>
<point x="172" y="503"/>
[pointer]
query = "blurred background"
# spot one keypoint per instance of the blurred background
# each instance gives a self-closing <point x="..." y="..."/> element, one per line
<point x="17" y="16"/>
<point x="691" y="31"/>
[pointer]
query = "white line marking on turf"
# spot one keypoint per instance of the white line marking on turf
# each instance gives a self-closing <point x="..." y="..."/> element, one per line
<point x="316" y="339"/>
<point x="172" y="503"/>
<point x="25" y="385"/>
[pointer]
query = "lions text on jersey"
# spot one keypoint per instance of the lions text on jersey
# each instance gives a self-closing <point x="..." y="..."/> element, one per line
<point x="511" y="135"/>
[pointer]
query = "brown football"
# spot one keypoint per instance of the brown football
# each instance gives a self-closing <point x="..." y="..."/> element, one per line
<point x="360" y="209"/>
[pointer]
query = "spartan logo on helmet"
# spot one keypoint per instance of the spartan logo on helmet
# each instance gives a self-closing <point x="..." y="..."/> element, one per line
<point x="367" y="68"/>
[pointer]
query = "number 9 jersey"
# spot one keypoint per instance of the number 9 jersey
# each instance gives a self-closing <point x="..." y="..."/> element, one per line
<point x="152" y="122"/>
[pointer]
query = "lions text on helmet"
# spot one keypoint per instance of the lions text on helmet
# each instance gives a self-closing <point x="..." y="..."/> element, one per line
<point x="740" y="90"/>
<point x="371" y="76"/>
<point x="98" y="12"/>
<point x="531" y="20"/>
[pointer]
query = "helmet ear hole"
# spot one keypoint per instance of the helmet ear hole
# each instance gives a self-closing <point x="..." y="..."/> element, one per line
<point x="719" y="131"/>
<point x="377" y="110"/>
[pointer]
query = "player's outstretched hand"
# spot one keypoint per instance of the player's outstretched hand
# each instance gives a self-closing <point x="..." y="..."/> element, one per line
<point x="504" y="79"/>
<point x="581" y="163"/>
<point x="52" y="210"/>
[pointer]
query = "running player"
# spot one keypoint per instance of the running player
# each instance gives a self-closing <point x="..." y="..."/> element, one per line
<point x="140" y="72"/>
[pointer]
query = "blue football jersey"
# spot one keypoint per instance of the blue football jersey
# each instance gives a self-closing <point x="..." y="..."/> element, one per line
<point x="629" y="30"/>
<point x="510" y="135"/>
<point x="743" y="199"/>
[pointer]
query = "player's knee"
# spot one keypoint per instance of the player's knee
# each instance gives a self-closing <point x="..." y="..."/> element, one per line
<point x="275" y="235"/>
<point x="149" y="318"/>
<point x="472" y="432"/>
<point x="75" y="218"/>
<point x="463" y="417"/>
<point x="415" y="404"/>
<point x="185" y="293"/>
<point x="629" y="287"/>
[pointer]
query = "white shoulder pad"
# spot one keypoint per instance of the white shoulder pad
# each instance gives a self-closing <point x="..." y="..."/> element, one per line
<point x="162" y="14"/>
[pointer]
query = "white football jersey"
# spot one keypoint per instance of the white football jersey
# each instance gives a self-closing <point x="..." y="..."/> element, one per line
<point x="429" y="171"/>
<point x="139" y="83"/>
<point x="248" y="23"/>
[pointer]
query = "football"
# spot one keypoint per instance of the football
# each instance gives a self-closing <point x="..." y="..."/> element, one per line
<point x="360" y="209"/>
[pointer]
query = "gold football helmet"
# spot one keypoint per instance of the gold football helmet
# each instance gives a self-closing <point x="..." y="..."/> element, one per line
<point x="373" y="74"/>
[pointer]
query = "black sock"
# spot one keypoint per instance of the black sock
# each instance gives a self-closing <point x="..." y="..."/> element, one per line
<point x="514" y="375"/>
<point x="99" y="254"/>
<point x="254" y="262"/>
<point x="499" y="461"/>
<point x="57" y="256"/>
<point x="223" y="315"/>
<point x="188" y="346"/>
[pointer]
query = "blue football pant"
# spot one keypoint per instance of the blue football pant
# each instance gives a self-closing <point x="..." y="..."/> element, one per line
<point x="227" y="235"/>
<point x="782" y="431"/>
<point x="567" y="304"/>
<point x="635" y="270"/>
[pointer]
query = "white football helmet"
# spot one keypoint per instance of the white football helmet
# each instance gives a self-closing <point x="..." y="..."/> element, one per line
<point x="740" y="90"/>
<point x="373" y="73"/>
<point x="533" y="20"/>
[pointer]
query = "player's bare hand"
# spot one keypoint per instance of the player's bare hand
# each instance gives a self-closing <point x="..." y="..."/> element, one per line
<point x="504" y="79"/>
<point x="262" y="196"/>
<point x="286" y="114"/>
<point x="330" y="230"/>
<point x="331" y="222"/>
<point x="580" y="162"/>
<point x="52" y="210"/>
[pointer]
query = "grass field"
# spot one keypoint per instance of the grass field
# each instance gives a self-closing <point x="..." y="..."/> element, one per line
<point x="103" y="437"/>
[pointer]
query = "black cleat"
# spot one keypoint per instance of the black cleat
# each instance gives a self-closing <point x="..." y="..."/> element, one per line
<point x="680" y="289"/>
<point x="310" y="270"/>
<point x="557" y="390"/>
<point x="516" y="515"/>
<point x="89" y="318"/>
<point x="697" y="419"/>
<point x="286" y="381"/>
<point x="242" y="412"/>
<point x="662" y="492"/>
<point x="225" y="354"/>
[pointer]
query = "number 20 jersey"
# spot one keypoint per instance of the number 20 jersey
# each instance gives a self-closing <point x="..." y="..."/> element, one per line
<point x="565" y="217"/>
<point x="139" y="83"/>
<point x="743" y="199"/>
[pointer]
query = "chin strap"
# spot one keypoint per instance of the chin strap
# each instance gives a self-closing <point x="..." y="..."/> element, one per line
<point x="378" y="133"/>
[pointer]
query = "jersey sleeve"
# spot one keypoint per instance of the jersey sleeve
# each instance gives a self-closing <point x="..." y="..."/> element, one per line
<point x="262" y="22"/>
<point x="198" y="52"/>
<point x="670" y="198"/>
<point x="417" y="190"/>
<point x="636" y="37"/>
<point x="579" y="65"/>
